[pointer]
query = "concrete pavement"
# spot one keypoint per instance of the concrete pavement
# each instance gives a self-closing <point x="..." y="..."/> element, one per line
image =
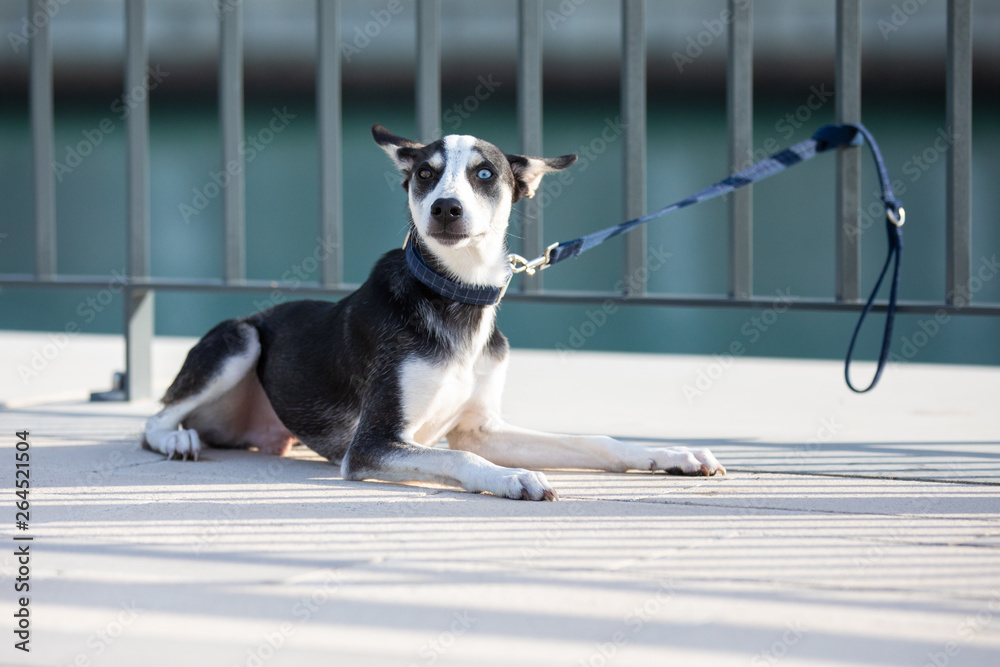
<point x="851" y="530"/>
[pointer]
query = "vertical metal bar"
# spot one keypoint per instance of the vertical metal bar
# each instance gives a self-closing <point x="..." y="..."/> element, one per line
<point x="429" y="69"/>
<point x="739" y="111"/>
<point x="231" y="115"/>
<point x="137" y="128"/>
<point x="40" y="55"/>
<point x="529" y="116"/>
<point x="958" y="205"/>
<point x="329" y="119"/>
<point x="139" y="320"/>
<point x="848" y="110"/>
<point x="633" y="108"/>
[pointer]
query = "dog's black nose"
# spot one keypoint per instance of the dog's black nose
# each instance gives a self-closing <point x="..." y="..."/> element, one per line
<point x="446" y="211"/>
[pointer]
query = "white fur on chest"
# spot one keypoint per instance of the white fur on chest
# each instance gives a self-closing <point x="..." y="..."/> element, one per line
<point x="435" y="395"/>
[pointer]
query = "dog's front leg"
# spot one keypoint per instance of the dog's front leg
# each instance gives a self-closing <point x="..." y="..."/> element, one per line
<point x="391" y="459"/>
<point x="503" y="444"/>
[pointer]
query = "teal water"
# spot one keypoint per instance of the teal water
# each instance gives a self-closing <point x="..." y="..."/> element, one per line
<point x="793" y="219"/>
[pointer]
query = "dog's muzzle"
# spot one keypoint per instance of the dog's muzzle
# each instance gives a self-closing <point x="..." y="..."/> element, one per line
<point x="446" y="224"/>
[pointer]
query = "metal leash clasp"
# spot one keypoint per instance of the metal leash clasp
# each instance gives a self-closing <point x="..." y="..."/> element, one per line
<point x="519" y="264"/>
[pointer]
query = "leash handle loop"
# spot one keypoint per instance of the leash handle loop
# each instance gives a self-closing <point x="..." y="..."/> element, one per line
<point x="895" y="216"/>
<point x="895" y="232"/>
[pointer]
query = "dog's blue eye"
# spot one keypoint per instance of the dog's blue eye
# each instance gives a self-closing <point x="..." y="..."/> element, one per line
<point x="484" y="174"/>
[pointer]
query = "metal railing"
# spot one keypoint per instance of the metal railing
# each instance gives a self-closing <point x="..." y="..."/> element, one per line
<point x="140" y="286"/>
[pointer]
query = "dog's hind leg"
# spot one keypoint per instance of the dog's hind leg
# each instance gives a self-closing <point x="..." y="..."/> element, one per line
<point x="213" y="367"/>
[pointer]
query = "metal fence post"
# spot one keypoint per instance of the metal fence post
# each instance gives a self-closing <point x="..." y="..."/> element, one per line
<point x="958" y="204"/>
<point x="40" y="57"/>
<point x="633" y="101"/>
<point x="429" y="69"/>
<point x="328" y="115"/>
<point x="739" y="112"/>
<point x="848" y="110"/>
<point x="139" y="303"/>
<point x="231" y="117"/>
<point x="139" y="330"/>
<point x="529" y="116"/>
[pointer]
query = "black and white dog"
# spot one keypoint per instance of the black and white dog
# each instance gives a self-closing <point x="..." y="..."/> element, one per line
<point x="376" y="379"/>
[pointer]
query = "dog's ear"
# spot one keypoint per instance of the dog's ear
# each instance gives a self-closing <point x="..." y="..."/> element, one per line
<point x="528" y="171"/>
<point x="402" y="151"/>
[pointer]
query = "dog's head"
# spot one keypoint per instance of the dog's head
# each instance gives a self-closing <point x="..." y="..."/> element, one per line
<point x="460" y="190"/>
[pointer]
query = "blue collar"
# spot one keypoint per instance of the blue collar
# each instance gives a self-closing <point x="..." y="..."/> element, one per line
<point x="475" y="295"/>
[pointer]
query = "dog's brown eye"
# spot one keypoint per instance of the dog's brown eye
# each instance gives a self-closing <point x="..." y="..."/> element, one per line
<point x="424" y="173"/>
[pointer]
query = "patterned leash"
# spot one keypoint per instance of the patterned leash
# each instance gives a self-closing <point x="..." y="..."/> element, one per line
<point x="826" y="138"/>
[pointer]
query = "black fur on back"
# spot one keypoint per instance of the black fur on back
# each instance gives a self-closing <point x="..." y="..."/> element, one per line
<point x="322" y="362"/>
<point x="205" y="360"/>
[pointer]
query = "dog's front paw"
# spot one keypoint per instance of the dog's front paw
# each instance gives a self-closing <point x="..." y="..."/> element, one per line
<point x="684" y="461"/>
<point x="181" y="444"/>
<point x="521" y="484"/>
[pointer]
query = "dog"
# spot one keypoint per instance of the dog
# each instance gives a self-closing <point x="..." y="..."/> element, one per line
<point x="374" y="381"/>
